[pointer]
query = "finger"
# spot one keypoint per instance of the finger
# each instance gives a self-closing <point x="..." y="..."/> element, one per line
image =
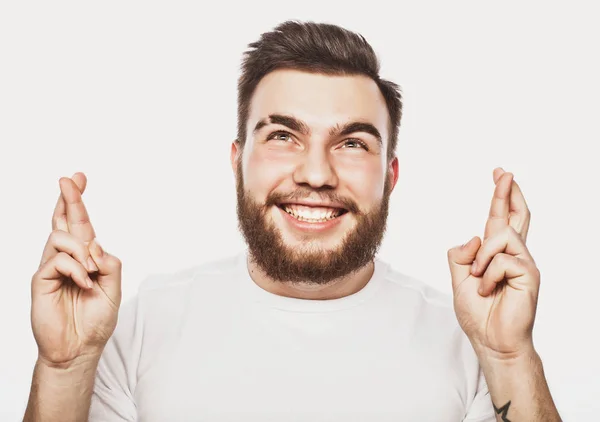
<point x="499" y="208"/>
<point x="107" y="264"/>
<point x="61" y="241"/>
<point x="506" y="241"/>
<point x="460" y="259"/>
<point x="78" y="220"/>
<point x="109" y="272"/>
<point x="503" y="267"/>
<point x="59" y="217"/>
<point x="520" y="216"/>
<point x="498" y="172"/>
<point x="62" y="265"/>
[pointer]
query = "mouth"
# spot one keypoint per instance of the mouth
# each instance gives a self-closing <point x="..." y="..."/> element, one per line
<point x="312" y="213"/>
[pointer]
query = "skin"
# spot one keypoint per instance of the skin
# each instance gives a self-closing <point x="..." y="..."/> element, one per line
<point x="498" y="315"/>
<point x="317" y="160"/>
<point x="496" y="285"/>
<point x="71" y="319"/>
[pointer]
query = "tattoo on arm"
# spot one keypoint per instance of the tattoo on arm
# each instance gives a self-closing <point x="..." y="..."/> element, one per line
<point x="503" y="411"/>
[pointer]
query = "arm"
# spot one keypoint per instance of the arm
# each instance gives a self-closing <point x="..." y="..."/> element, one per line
<point x="61" y="393"/>
<point x="518" y="388"/>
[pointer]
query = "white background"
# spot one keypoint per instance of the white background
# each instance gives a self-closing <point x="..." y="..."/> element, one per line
<point x="142" y="98"/>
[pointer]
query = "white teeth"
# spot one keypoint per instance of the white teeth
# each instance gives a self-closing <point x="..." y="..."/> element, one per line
<point x="311" y="214"/>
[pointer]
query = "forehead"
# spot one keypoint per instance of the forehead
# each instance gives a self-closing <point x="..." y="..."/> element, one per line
<point x="322" y="101"/>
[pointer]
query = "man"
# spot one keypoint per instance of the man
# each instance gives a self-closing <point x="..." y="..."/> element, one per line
<point x="307" y="325"/>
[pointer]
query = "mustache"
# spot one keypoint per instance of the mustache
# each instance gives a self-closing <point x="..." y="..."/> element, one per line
<point x="276" y="198"/>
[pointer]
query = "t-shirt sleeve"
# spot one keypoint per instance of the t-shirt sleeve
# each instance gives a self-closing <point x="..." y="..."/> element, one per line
<point x="481" y="409"/>
<point x="116" y="376"/>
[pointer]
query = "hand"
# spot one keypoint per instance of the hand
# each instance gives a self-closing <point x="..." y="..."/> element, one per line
<point x="71" y="319"/>
<point x="496" y="282"/>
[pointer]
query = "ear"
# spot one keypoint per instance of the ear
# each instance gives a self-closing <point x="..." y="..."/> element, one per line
<point x="393" y="171"/>
<point x="235" y="155"/>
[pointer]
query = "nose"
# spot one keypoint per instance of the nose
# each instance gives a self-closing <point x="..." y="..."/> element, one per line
<point x="315" y="170"/>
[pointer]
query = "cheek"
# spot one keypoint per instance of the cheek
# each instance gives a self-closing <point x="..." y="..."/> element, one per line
<point x="264" y="171"/>
<point x="365" y="180"/>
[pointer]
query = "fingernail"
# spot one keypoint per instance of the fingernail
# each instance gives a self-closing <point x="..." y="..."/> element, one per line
<point x="89" y="282"/>
<point x="474" y="267"/>
<point x="91" y="265"/>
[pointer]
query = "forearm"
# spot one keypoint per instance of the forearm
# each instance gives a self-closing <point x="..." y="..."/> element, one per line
<point x="519" y="389"/>
<point x="61" y="394"/>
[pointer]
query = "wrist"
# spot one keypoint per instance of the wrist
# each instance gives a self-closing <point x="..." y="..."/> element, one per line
<point x="81" y="361"/>
<point x="509" y="370"/>
<point x="74" y="371"/>
<point x="509" y="358"/>
<point x="517" y="380"/>
<point x="64" y="381"/>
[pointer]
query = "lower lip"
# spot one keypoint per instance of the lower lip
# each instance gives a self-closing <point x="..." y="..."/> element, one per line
<point x="311" y="227"/>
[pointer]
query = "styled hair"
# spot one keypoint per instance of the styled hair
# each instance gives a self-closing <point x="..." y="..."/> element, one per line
<point x="319" y="48"/>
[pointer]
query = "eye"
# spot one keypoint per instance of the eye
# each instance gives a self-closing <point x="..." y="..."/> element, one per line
<point x="280" y="136"/>
<point x="354" y="144"/>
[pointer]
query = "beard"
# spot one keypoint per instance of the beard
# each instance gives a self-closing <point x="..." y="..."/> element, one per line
<point x="311" y="264"/>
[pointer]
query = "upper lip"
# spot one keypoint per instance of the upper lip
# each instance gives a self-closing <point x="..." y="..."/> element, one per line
<point x="309" y="203"/>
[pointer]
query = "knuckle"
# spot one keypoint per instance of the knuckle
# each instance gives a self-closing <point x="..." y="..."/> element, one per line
<point x="115" y="263"/>
<point x="35" y="276"/>
<point x="66" y="243"/>
<point x="510" y="231"/>
<point x="54" y="236"/>
<point x="62" y="258"/>
<point x="112" y="264"/>
<point x="81" y="220"/>
<point x="500" y="259"/>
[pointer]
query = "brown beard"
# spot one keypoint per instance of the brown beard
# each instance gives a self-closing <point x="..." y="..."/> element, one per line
<point x="281" y="263"/>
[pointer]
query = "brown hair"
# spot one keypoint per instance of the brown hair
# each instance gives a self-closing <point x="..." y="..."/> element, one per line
<point x="314" y="47"/>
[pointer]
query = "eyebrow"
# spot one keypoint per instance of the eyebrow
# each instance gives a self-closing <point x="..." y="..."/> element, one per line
<point x="287" y="121"/>
<point x="354" y="127"/>
<point x="299" y="126"/>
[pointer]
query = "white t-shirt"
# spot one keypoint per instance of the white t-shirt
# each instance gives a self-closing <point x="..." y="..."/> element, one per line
<point x="208" y="344"/>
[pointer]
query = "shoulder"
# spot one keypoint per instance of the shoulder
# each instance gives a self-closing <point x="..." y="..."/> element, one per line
<point x="166" y="296"/>
<point x="164" y="300"/>
<point x="417" y="304"/>
<point x="160" y="282"/>
<point x="428" y="315"/>
<point x="415" y="289"/>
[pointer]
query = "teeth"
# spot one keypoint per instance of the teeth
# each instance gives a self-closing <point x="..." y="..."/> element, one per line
<point x="311" y="214"/>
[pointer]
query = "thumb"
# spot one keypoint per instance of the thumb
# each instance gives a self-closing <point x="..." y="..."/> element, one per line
<point x="109" y="269"/>
<point x="460" y="259"/>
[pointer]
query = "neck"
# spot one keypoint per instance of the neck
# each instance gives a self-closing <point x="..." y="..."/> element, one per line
<point x="335" y="289"/>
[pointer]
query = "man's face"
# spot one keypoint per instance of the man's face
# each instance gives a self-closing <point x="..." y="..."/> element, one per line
<point x="313" y="181"/>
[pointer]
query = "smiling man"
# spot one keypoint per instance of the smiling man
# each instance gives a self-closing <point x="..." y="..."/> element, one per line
<point x="307" y="324"/>
<point x="313" y="181"/>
